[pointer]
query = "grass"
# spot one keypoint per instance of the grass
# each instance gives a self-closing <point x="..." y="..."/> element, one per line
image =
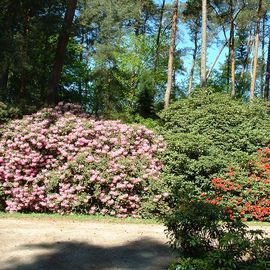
<point x="98" y="218"/>
<point x="77" y="217"/>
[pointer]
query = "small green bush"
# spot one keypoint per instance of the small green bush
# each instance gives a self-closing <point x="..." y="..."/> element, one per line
<point x="210" y="132"/>
<point x="206" y="238"/>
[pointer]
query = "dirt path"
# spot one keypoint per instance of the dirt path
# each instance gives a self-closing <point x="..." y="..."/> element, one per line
<point x="81" y="245"/>
<point x="53" y="244"/>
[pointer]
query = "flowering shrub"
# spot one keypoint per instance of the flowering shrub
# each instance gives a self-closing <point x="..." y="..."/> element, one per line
<point x="61" y="160"/>
<point x="246" y="195"/>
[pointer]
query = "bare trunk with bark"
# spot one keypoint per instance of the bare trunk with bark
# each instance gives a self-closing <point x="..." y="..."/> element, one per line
<point x="159" y="34"/>
<point x="60" y="52"/>
<point x="194" y="59"/>
<point x="232" y="51"/>
<point x="3" y="82"/>
<point x="171" y="55"/>
<point x="267" y="74"/>
<point x="263" y="52"/>
<point x="245" y="62"/>
<point x="204" y="41"/>
<point x="255" y="58"/>
<point x="7" y="35"/>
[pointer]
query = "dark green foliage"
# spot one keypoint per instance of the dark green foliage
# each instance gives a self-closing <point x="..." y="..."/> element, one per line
<point x="7" y="113"/>
<point x="210" y="132"/>
<point x="206" y="238"/>
<point x="110" y="64"/>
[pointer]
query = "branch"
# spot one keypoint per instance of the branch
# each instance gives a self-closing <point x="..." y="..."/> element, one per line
<point x="217" y="57"/>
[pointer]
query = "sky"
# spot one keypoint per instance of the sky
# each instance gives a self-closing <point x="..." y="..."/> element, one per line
<point x="184" y="41"/>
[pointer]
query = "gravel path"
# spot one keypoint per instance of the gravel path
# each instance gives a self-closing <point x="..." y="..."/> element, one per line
<point x="53" y="244"/>
<point x="40" y="244"/>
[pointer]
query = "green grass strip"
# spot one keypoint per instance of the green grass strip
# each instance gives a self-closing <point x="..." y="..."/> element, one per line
<point x="77" y="217"/>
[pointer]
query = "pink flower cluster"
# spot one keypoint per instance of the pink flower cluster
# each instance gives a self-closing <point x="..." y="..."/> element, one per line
<point x="62" y="160"/>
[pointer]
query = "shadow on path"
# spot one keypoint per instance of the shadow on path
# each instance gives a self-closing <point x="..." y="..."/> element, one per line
<point x="144" y="254"/>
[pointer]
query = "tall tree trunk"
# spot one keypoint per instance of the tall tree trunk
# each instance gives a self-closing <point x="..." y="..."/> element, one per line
<point x="245" y="62"/>
<point x="25" y="48"/>
<point x="267" y="74"/>
<point x="158" y="36"/>
<point x="263" y="52"/>
<point x="204" y="41"/>
<point x="255" y="61"/>
<point x="173" y="93"/>
<point x="194" y="58"/>
<point x="232" y="51"/>
<point x="171" y="55"/>
<point x="60" y="52"/>
<point x="228" y="66"/>
<point x="7" y="35"/>
<point x="3" y="82"/>
<point x="81" y="60"/>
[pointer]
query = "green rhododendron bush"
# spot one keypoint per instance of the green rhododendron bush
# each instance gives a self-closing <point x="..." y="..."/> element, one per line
<point x="209" y="133"/>
<point x="63" y="161"/>
<point x="244" y="193"/>
<point x="205" y="237"/>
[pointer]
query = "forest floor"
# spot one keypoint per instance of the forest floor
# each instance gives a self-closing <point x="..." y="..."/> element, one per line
<point x="66" y="244"/>
<point x="70" y="244"/>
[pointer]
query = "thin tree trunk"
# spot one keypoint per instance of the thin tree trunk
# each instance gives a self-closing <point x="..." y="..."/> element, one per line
<point x="7" y="34"/>
<point x="60" y="52"/>
<point x="232" y="51"/>
<point x="171" y="55"/>
<point x="158" y="36"/>
<point x="3" y="83"/>
<point x="255" y="61"/>
<point x="204" y="41"/>
<point x="245" y="62"/>
<point x="263" y="52"/>
<point x="194" y="59"/>
<point x="252" y="60"/>
<point x="81" y="60"/>
<point x="23" y="79"/>
<point x="216" y="59"/>
<point x="173" y="94"/>
<point x="229" y="64"/>
<point x="267" y="74"/>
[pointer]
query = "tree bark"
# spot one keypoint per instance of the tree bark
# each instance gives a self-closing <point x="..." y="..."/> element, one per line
<point x="204" y="41"/>
<point x="194" y="58"/>
<point x="267" y="74"/>
<point x="255" y="61"/>
<point x="232" y="51"/>
<point x="171" y="55"/>
<point x="81" y="60"/>
<point x="263" y="52"/>
<point x="60" y="52"/>
<point x="245" y="62"/>
<point x="3" y="83"/>
<point x="158" y="36"/>
<point x="8" y="25"/>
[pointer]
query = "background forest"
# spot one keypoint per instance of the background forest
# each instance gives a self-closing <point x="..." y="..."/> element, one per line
<point x="112" y="56"/>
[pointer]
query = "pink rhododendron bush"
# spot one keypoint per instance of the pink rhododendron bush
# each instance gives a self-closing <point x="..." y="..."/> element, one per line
<point x="63" y="161"/>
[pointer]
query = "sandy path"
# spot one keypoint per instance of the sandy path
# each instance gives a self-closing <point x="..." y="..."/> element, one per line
<point x="38" y="244"/>
<point x="53" y="244"/>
